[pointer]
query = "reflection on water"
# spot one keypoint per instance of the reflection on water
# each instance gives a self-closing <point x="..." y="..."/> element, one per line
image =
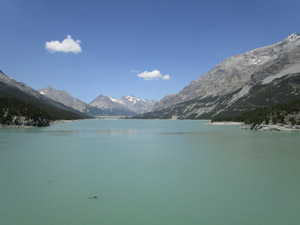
<point x="92" y="132"/>
<point x="148" y="172"/>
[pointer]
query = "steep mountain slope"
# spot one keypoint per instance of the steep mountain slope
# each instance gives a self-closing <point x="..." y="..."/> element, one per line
<point x="19" y="93"/>
<point x="279" y="90"/>
<point x="112" y="106"/>
<point x="246" y="70"/>
<point x="68" y="100"/>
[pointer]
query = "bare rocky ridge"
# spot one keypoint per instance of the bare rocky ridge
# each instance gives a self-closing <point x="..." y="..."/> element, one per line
<point x="68" y="100"/>
<point x="240" y="71"/>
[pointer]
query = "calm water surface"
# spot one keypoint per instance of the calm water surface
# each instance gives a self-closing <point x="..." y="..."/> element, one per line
<point x="148" y="172"/>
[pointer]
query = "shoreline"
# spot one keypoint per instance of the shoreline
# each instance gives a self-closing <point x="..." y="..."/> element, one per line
<point x="16" y="126"/>
<point x="228" y="123"/>
<point x="56" y="122"/>
<point x="272" y="127"/>
<point x="51" y="123"/>
<point x="259" y="127"/>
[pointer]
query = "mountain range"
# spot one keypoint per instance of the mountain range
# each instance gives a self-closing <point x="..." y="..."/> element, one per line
<point x="102" y="105"/>
<point x="262" y="77"/>
<point x="127" y="105"/>
<point x="259" y="78"/>
<point x="70" y="101"/>
<point x="22" y="105"/>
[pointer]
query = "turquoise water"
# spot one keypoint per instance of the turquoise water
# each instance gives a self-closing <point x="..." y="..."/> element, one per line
<point x="148" y="172"/>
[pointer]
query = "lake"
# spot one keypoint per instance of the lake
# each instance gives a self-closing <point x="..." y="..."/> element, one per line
<point x="158" y="172"/>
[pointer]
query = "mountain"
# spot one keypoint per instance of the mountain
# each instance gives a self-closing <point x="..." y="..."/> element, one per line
<point x="20" y="104"/>
<point x="126" y="106"/>
<point x="137" y="105"/>
<point x="280" y="90"/>
<point x="231" y="80"/>
<point x="112" y="106"/>
<point x="68" y="100"/>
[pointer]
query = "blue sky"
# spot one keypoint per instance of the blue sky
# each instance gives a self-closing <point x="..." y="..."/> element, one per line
<point x="182" y="39"/>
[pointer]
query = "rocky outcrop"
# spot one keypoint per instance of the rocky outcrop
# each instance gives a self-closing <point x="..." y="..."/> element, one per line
<point x="22" y="121"/>
<point x="272" y="127"/>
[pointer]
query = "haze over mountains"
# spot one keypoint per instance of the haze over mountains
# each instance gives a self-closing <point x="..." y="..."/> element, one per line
<point x="238" y="78"/>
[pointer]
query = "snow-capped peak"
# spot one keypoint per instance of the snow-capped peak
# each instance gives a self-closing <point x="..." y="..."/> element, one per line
<point x="116" y="100"/>
<point x="42" y="93"/>
<point x="132" y="103"/>
<point x="133" y="99"/>
<point x="293" y="36"/>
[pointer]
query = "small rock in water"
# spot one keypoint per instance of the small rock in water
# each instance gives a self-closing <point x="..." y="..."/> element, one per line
<point x="93" y="197"/>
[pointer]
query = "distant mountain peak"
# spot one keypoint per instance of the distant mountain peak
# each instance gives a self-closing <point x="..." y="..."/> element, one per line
<point x="70" y="101"/>
<point x="129" y="103"/>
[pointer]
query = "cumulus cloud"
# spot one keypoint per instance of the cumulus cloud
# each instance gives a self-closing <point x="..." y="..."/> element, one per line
<point x="154" y="75"/>
<point x="67" y="45"/>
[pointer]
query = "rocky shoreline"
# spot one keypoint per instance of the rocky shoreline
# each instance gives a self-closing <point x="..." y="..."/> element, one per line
<point x="261" y="127"/>
<point x="22" y="123"/>
<point x="229" y="123"/>
<point x="271" y="127"/>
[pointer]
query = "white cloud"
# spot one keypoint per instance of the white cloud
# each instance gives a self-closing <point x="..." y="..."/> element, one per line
<point x="67" y="45"/>
<point x="166" y="77"/>
<point x="154" y="75"/>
